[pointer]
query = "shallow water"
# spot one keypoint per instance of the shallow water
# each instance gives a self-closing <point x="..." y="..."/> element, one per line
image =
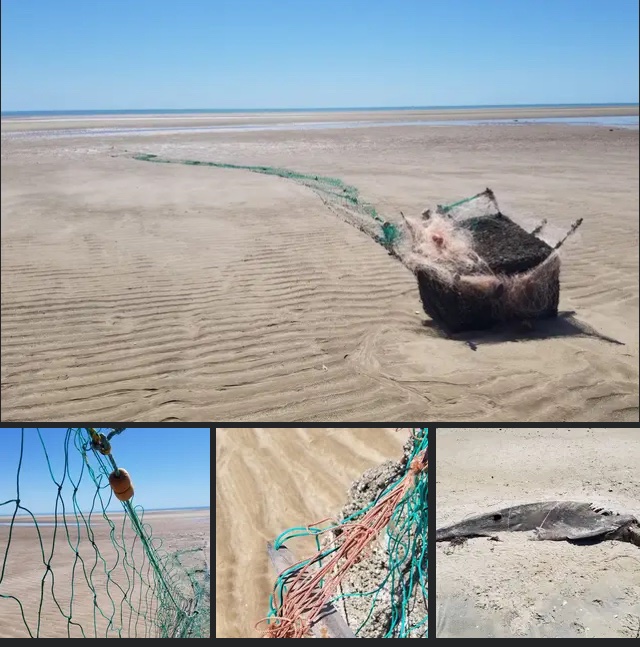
<point x="29" y="524"/>
<point x="628" y="122"/>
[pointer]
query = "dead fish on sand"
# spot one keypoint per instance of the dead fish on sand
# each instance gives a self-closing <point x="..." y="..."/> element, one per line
<point x="550" y="520"/>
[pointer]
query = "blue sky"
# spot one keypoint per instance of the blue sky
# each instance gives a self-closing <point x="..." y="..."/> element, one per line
<point x="168" y="467"/>
<point x="137" y="54"/>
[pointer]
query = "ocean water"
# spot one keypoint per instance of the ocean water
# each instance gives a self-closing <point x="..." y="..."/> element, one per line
<point x="29" y="525"/>
<point x="20" y="518"/>
<point x="111" y="510"/>
<point x="196" y="111"/>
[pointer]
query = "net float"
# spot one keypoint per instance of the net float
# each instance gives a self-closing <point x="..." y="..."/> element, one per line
<point x="120" y="483"/>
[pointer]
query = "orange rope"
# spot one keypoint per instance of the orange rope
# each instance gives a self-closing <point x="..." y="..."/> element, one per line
<point x="305" y="597"/>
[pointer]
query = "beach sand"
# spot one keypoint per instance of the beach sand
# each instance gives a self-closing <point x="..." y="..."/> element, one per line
<point x="178" y="530"/>
<point x="268" y="480"/>
<point x="517" y="587"/>
<point x="151" y="292"/>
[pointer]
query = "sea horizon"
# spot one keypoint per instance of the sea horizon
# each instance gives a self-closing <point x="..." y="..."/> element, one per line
<point x="182" y="111"/>
<point x="70" y="512"/>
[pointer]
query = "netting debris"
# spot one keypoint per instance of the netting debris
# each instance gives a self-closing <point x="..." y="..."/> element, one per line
<point x="476" y="267"/>
<point x="372" y="565"/>
<point x="137" y="589"/>
<point x="342" y="198"/>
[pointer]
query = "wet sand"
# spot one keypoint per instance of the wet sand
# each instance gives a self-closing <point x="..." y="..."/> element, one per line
<point x="13" y="124"/>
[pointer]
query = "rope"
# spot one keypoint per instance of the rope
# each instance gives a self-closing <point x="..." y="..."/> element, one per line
<point x="118" y="430"/>
<point x="487" y="193"/>
<point x="137" y="589"/>
<point x="302" y="592"/>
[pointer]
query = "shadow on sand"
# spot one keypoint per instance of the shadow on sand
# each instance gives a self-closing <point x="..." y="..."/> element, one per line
<point x="564" y="325"/>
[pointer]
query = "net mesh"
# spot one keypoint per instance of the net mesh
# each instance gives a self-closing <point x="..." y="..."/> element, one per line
<point x="443" y="246"/>
<point x="96" y="573"/>
<point x="470" y="257"/>
<point x="371" y="565"/>
<point x="344" y="199"/>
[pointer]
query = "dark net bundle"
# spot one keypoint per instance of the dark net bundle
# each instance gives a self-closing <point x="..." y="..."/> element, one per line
<point x="476" y="267"/>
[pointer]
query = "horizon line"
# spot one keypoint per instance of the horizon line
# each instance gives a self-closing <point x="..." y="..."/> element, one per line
<point x="319" y="108"/>
<point x="69" y="513"/>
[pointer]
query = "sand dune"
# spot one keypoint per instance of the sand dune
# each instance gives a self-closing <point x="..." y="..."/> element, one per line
<point x="147" y="292"/>
<point x="517" y="587"/>
<point x="268" y="480"/>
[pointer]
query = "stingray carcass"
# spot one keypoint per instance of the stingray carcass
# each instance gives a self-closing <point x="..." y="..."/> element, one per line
<point x="551" y="520"/>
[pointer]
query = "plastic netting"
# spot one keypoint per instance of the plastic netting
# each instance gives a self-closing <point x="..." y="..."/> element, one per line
<point x="343" y="198"/>
<point x="95" y="573"/>
<point x="443" y="240"/>
<point x="459" y="239"/>
<point x="477" y="267"/>
<point x="391" y="529"/>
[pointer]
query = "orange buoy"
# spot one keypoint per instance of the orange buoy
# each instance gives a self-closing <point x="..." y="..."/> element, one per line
<point x="121" y="485"/>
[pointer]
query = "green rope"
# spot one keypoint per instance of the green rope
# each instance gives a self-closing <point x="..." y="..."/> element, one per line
<point x="137" y="590"/>
<point x="487" y="193"/>
<point x="330" y="189"/>
<point x="448" y="207"/>
<point x="406" y="578"/>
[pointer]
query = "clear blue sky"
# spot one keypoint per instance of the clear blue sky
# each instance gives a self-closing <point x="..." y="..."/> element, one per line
<point x="119" y="54"/>
<point x="169" y="468"/>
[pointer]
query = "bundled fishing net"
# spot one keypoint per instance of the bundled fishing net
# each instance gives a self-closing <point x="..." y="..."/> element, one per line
<point x="476" y="267"/>
<point x="371" y="566"/>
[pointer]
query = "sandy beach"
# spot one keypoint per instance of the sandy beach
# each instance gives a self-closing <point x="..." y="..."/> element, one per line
<point x="178" y="530"/>
<point x="517" y="587"/>
<point x="159" y="292"/>
<point x="268" y="480"/>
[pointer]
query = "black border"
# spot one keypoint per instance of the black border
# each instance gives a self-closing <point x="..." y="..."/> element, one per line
<point x="431" y="607"/>
<point x="210" y="424"/>
<point x="432" y="427"/>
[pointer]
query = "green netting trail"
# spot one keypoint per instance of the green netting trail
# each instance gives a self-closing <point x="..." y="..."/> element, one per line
<point x="95" y="573"/>
<point x="397" y="603"/>
<point x="333" y="191"/>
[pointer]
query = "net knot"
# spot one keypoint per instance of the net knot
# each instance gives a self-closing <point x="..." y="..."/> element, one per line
<point x="100" y="442"/>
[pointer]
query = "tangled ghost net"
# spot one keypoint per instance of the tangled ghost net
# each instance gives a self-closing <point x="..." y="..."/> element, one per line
<point x="476" y="267"/>
<point x="370" y="567"/>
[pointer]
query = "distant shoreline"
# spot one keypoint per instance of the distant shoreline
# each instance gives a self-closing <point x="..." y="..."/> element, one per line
<point x="71" y="513"/>
<point x="254" y="111"/>
<point x="103" y="125"/>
